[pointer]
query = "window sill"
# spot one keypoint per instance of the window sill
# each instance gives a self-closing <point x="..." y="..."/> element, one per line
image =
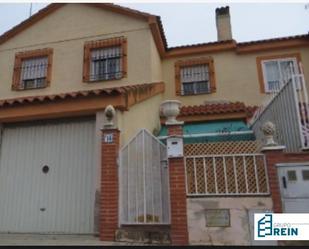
<point x="98" y="81"/>
<point x="194" y="94"/>
<point x="28" y="89"/>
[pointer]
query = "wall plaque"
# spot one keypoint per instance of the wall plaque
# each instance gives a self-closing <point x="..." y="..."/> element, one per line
<point x="108" y="138"/>
<point x="217" y="217"/>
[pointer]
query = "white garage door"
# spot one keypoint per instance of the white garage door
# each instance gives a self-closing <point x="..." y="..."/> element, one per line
<point x="47" y="177"/>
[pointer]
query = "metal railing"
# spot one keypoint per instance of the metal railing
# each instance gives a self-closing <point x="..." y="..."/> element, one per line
<point x="222" y="175"/>
<point x="288" y="109"/>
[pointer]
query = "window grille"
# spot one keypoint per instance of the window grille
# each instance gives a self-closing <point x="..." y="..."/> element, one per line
<point x="195" y="79"/>
<point x="106" y="64"/>
<point x="34" y="73"/>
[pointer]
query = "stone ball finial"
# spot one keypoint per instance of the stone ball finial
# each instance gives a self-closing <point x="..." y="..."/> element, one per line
<point x="269" y="130"/>
<point x="109" y="114"/>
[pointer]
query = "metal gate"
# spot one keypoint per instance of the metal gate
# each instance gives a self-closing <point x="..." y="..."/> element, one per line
<point x="144" y="181"/>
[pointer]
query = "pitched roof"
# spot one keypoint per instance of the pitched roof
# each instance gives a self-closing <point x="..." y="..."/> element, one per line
<point x="217" y="108"/>
<point x="157" y="30"/>
<point x="141" y="88"/>
<point x="303" y="36"/>
<point x="153" y="20"/>
<point x="239" y="44"/>
<point x="241" y="47"/>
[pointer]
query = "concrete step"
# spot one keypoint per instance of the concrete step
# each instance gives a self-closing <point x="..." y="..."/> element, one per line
<point x="140" y="235"/>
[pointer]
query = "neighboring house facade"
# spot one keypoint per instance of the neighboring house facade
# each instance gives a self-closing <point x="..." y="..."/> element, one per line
<point x="63" y="66"/>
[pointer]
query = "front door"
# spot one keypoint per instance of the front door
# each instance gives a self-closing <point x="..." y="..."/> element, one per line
<point x="294" y="186"/>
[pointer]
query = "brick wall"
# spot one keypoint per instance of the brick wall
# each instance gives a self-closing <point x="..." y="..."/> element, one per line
<point x="109" y="186"/>
<point x="179" y="227"/>
<point x="174" y="130"/>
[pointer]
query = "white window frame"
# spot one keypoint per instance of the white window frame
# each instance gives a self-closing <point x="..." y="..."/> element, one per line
<point x="278" y="60"/>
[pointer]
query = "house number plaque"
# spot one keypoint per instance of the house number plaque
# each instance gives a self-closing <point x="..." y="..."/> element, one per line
<point x="217" y="217"/>
<point x="108" y="138"/>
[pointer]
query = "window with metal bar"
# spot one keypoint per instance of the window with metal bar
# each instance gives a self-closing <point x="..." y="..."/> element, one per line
<point x="34" y="73"/>
<point x="106" y="63"/>
<point x="195" y="79"/>
<point x="32" y="69"/>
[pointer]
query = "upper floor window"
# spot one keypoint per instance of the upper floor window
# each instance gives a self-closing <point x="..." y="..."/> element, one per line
<point x="34" y="72"/>
<point x="195" y="77"/>
<point x="105" y="60"/>
<point x="32" y="69"/>
<point x="106" y="64"/>
<point x="275" y="71"/>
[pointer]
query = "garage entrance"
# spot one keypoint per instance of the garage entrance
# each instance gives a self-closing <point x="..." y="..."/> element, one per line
<point x="47" y="175"/>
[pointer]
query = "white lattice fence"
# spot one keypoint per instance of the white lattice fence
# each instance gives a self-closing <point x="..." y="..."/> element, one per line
<point x="229" y="147"/>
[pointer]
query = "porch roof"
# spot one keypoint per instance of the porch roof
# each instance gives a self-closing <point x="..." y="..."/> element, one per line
<point x="216" y="108"/>
<point x="76" y="103"/>
<point x="86" y="93"/>
<point x="214" y="111"/>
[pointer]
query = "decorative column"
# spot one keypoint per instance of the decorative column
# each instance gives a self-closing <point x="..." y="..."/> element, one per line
<point x="274" y="154"/>
<point x="178" y="198"/>
<point x="109" y="177"/>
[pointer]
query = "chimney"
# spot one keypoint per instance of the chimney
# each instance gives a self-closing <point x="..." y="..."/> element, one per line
<point x="223" y="22"/>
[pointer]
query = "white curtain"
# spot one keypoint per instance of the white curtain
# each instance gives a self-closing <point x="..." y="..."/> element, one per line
<point x="272" y="75"/>
<point x="279" y="72"/>
<point x="287" y="69"/>
<point x="194" y="74"/>
<point x="34" y="68"/>
<point x="195" y="79"/>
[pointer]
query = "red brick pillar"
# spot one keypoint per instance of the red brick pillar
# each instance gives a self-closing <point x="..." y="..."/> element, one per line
<point x="274" y="155"/>
<point x="179" y="226"/>
<point x="109" y="184"/>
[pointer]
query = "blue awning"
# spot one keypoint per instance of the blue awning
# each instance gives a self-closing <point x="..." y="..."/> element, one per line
<point x="214" y="131"/>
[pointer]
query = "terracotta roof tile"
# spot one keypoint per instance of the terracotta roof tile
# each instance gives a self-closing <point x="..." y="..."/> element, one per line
<point x="217" y="108"/>
<point x="240" y="44"/>
<point x="251" y="110"/>
<point x="68" y="95"/>
<point x="202" y="44"/>
<point x="302" y="36"/>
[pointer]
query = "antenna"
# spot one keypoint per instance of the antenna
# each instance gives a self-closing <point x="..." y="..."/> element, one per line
<point x="30" y="11"/>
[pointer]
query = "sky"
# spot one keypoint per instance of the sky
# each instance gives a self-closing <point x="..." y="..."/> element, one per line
<point x="191" y="23"/>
